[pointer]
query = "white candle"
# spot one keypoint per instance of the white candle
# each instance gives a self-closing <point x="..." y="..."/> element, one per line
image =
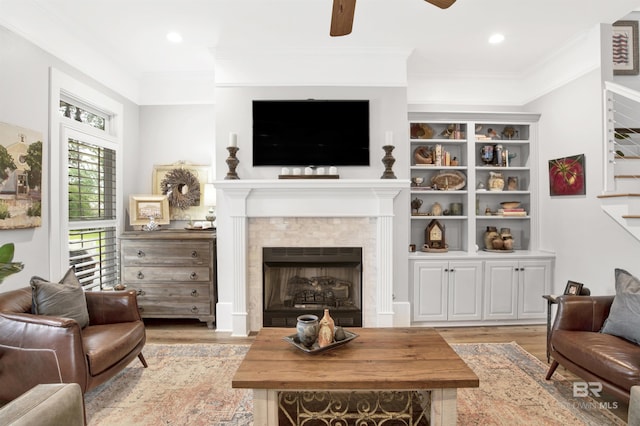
<point x="285" y="171"/>
<point x="296" y="171"/>
<point x="308" y="171"/>
<point x="233" y="139"/>
<point x="388" y="137"/>
<point x="320" y="170"/>
<point x="333" y="170"/>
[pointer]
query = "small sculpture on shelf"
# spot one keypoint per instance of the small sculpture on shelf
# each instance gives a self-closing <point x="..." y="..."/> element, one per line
<point x="152" y="225"/>
<point x="416" y="203"/>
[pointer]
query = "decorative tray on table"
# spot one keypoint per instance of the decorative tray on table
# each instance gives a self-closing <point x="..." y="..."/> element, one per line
<point x="315" y="349"/>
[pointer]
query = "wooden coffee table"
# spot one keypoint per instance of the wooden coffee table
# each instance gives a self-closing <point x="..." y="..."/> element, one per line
<point x="391" y="363"/>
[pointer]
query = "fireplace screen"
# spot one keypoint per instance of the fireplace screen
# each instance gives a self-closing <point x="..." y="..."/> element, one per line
<point x="306" y="280"/>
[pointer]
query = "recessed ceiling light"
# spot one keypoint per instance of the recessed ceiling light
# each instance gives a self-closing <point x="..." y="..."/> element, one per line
<point x="496" y="38"/>
<point x="174" y="37"/>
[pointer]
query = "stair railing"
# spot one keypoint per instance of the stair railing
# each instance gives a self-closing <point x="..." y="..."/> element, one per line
<point x="622" y="133"/>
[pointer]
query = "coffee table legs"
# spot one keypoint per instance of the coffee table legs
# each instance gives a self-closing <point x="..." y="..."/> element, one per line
<point x="442" y="410"/>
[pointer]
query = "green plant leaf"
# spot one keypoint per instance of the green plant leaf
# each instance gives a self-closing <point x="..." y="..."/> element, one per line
<point x="6" y="253"/>
<point x="7" y="269"/>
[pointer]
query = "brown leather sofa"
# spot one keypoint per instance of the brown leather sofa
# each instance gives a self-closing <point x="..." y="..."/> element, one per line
<point x="37" y="349"/>
<point x="577" y="344"/>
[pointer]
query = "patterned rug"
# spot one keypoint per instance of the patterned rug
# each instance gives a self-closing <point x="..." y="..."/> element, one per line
<point x="513" y="391"/>
<point x="185" y="384"/>
<point x="190" y="384"/>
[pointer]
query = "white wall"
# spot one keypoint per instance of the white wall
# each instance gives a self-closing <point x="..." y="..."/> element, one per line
<point x="169" y="134"/>
<point x="24" y="100"/>
<point x="587" y="243"/>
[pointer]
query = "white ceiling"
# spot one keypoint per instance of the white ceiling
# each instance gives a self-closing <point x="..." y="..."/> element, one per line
<point x="129" y="35"/>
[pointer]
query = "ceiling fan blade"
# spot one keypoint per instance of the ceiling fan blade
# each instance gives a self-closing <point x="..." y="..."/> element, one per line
<point x="342" y="17"/>
<point x="442" y="4"/>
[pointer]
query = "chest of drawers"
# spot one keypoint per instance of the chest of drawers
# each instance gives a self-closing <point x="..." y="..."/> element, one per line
<point x="172" y="271"/>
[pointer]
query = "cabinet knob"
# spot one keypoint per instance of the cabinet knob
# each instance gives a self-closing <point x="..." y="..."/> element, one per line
<point x="140" y="293"/>
<point x="194" y="293"/>
<point x="140" y="253"/>
<point x="193" y="276"/>
<point x="140" y="275"/>
<point x="194" y="254"/>
<point x="140" y="308"/>
<point x="446" y="269"/>
<point x="194" y="309"/>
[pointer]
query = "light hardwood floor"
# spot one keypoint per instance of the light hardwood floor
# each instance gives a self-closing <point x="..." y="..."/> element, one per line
<point x="532" y="338"/>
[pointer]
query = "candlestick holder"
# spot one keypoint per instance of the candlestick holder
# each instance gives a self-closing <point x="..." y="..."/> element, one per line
<point x="388" y="161"/>
<point x="232" y="162"/>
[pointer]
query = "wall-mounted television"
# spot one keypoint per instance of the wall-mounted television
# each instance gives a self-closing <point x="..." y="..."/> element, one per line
<point x="311" y="132"/>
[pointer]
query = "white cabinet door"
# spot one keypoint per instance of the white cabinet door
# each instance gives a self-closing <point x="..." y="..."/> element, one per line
<point x="430" y="290"/>
<point x="535" y="280"/>
<point x="465" y="291"/>
<point x="500" y="289"/>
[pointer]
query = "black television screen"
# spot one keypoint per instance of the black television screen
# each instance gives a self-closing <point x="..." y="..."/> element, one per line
<point x="311" y="133"/>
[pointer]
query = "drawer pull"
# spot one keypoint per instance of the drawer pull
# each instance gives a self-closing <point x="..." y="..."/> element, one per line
<point x="194" y="254"/>
<point x="194" y="293"/>
<point x="194" y="309"/>
<point x="140" y="253"/>
<point x="140" y="275"/>
<point x="140" y="292"/>
<point x="140" y="308"/>
<point x="193" y="276"/>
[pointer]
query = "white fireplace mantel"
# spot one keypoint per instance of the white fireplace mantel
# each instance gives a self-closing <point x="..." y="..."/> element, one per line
<point x="310" y="198"/>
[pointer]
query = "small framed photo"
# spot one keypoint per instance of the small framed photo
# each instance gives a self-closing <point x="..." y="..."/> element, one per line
<point x="624" y="44"/>
<point x="143" y="207"/>
<point x="573" y="288"/>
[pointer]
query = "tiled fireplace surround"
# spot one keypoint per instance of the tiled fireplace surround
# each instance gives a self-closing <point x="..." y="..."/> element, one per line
<point x="305" y="213"/>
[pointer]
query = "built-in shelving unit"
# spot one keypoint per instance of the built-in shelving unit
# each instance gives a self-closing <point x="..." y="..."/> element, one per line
<point x="445" y="149"/>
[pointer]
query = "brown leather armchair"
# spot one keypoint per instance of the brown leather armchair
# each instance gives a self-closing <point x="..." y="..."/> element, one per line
<point x="578" y="345"/>
<point x="37" y="349"/>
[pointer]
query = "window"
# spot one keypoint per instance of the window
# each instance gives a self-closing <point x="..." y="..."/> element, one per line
<point x="92" y="197"/>
<point x="88" y="144"/>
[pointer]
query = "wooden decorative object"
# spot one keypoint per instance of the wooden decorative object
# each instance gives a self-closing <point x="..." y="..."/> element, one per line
<point x="232" y="162"/>
<point x="388" y="161"/>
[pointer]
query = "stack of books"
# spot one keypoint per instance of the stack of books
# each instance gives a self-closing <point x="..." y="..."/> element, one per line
<point x="512" y="212"/>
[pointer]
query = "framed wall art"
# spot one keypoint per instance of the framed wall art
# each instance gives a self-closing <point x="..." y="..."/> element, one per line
<point x="143" y="207"/>
<point x="624" y="43"/>
<point x="573" y="288"/>
<point x="567" y="176"/>
<point x="183" y="184"/>
<point x="20" y="177"/>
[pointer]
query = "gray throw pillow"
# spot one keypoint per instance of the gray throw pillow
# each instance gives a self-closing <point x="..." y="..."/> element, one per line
<point x="624" y="317"/>
<point x="64" y="299"/>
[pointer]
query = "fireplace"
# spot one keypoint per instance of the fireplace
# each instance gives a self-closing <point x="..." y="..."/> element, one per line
<point x="306" y="280"/>
<point x="254" y="214"/>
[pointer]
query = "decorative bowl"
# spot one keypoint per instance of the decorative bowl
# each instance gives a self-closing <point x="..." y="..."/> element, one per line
<point x="510" y="204"/>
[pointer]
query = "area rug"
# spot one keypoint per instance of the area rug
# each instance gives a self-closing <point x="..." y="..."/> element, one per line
<point x="190" y="384"/>
<point x="513" y="391"/>
<point x="185" y="384"/>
